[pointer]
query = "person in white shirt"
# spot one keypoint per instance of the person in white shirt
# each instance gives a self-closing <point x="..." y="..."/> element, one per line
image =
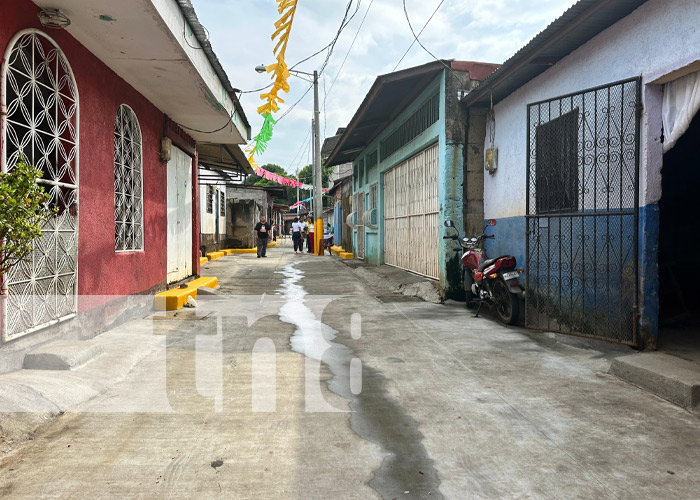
<point x="309" y="235"/>
<point x="296" y="234"/>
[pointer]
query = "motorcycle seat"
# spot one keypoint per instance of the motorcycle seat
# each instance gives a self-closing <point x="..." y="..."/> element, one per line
<point x="486" y="263"/>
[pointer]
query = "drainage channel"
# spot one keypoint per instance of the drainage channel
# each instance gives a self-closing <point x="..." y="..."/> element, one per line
<point x="407" y="471"/>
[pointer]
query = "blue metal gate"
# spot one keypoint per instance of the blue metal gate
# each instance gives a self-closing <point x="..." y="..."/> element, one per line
<point x="582" y="213"/>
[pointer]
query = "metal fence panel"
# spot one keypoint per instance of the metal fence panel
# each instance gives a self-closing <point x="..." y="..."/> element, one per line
<point x="582" y="213"/>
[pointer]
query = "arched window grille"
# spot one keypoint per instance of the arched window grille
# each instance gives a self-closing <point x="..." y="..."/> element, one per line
<point x="41" y="126"/>
<point x="128" y="182"/>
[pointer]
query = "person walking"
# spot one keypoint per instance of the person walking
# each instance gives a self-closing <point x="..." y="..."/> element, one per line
<point x="302" y="222"/>
<point x="296" y="234"/>
<point x="310" y="236"/>
<point x="262" y="230"/>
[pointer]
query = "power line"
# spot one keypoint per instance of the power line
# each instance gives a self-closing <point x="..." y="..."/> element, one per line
<point x="347" y="53"/>
<point x="303" y="145"/>
<point x="230" y="120"/>
<point x="345" y="21"/>
<point x="419" y="33"/>
<point x="424" y="48"/>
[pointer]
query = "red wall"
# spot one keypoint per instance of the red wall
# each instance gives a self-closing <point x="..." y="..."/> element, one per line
<point x="101" y="271"/>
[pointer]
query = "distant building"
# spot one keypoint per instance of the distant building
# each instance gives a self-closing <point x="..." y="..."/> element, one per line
<point x="406" y="144"/>
<point x="244" y="207"/>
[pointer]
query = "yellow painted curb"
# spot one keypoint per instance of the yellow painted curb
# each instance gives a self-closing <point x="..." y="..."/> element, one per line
<point x="203" y="260"/>
<point x="215" y="255"/>
<point x="272" y="244"/>
<point x="243" y="250"/>
<point x="346" y="255"/>
<point x="176" y="298"/>
<point x="228" y="251"/>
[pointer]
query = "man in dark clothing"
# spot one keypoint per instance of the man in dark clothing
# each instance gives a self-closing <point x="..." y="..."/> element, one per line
<point x="262" y="230"/>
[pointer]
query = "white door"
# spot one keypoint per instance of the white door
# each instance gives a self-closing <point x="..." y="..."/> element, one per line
<point x="179" y="216"/>
<point x="359" y="207"/>
<point x="411" y="206"/>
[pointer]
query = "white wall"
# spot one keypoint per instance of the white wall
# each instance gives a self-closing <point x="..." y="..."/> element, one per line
<point x="657" y="38"/>
<point x="207" y="221"/>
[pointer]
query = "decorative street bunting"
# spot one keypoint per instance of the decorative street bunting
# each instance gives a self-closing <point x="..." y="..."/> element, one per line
<point x="287" y="9"/>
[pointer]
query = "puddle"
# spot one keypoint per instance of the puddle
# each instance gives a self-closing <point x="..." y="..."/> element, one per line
<point x="375" y="417"/>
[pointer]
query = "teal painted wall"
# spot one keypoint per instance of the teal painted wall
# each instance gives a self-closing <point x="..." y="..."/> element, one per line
<point x="450" y="171"/>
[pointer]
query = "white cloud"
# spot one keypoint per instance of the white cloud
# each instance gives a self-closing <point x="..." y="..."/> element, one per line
<point x="478" y="30"/>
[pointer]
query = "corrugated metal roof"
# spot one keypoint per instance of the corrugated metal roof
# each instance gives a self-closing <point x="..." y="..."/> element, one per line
<point x="387" y="98"/>
<point x="580" y="23"/>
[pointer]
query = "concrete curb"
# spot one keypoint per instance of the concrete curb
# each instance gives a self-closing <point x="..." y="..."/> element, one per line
<point x="669" y="377"/>
<point x="394" y="280"/>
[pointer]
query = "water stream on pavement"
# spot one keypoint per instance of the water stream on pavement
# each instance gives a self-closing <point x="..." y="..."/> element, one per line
<point x="375" y="417"/>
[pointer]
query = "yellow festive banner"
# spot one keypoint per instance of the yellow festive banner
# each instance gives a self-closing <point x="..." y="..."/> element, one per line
<point x="280" y="74"/>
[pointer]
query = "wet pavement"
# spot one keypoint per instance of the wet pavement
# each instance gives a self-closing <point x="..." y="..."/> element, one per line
<point x="300" y="381"/>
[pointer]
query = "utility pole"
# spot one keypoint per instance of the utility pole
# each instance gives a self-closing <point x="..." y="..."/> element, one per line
<point x="318" y="178"/>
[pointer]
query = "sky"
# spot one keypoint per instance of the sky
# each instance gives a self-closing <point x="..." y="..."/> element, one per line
<point x="469" y="30"/>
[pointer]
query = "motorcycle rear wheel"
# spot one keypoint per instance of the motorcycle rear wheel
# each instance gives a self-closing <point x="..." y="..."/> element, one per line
<point x="505" y="303"/>
<point x="467" y="281"/>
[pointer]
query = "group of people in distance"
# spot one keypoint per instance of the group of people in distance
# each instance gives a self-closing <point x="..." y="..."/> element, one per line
<point x="302" y="230"/>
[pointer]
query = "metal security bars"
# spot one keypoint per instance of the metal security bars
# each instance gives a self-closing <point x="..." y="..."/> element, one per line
<point x="222" y="203"/>
<point x="210" y="198"/>
<point x="128" y="184"/>
<point x="358" y="206"/>
<point x="411" y="213"/>
<point x="420" y="120"/>
<point x="41" y="125"/>
<point x="582" y="213"/>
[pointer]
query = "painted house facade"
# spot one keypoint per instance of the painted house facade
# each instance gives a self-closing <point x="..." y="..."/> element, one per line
<point x="407" y="142"/>
<point x="586" y="192"/>
<point x="108" y="107"/>
<point x="219" y="166"/>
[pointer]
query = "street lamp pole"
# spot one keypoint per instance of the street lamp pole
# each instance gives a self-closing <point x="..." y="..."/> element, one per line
<point x="317" y="170"/>
<point x="318" y="178"/>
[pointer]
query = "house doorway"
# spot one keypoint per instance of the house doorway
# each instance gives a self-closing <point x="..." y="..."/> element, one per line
<point x="179" y="216"/>
<point x="679" y="241"/>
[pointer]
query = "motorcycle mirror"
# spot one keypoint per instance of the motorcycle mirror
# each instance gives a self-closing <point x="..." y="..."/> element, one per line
<point x="449" y="223"/>
<point x="491" y="222"/>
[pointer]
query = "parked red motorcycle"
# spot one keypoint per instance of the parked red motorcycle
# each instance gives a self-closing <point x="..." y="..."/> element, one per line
<point x="493" y="281"/>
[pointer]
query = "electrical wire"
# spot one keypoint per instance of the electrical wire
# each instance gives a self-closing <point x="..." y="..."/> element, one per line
<point x="348" y="53"/>
<point x="343" y="24"/>
<point x="230" y="120"/>
<point x="256" y="90"/>
<point x="303" y="145"/>
<point x="345" y="21"/>
<point x="419" y="33"/>
<point x="184" y="34"/>
<point x="424" y="48"/>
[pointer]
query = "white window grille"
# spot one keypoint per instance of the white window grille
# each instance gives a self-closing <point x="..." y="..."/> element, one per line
<point x="210" y="199"/>
<point x="41" y="125"/>
<point x="128" y="182"/>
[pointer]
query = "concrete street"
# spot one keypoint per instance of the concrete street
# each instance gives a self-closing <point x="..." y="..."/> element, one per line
<point x="299" y="381"/>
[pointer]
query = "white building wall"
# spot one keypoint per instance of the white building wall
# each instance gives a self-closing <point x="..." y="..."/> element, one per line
<point x="207" y="221"/>
<point x="656" y="39"/>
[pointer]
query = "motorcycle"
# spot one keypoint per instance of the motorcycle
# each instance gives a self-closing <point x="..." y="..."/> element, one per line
<point x="491" y="281"/>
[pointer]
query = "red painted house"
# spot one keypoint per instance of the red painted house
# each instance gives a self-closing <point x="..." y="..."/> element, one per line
<point x="110" y="100"/>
